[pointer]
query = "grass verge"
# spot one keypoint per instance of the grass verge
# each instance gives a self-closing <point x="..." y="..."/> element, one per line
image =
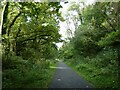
<point x="23" y="77"/>
<point x="98" y="77"/>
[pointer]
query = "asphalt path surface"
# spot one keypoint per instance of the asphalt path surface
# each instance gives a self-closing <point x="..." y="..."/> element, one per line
<point x="65" y="77"/>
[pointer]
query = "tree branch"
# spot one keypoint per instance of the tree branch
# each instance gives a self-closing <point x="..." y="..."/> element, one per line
<point x="12" y="23"/>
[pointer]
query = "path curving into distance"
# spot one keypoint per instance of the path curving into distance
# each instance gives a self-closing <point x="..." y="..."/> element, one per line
<point x="65" y="77"/>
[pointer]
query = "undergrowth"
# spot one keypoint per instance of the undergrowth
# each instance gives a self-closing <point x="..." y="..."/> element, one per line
<point x="97" y="70"/>
<point x="21" y="73"/>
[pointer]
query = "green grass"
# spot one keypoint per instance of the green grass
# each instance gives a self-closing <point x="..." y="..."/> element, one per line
<point x="44" y="80"/>
<point x="28" y="78"/>
<point x="98" y="77"/>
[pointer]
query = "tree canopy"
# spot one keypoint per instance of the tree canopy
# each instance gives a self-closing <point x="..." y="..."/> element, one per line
<point x="96" y="40"/>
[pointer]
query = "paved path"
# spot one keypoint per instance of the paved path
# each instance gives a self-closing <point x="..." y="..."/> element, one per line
<point x="65" y="77"/>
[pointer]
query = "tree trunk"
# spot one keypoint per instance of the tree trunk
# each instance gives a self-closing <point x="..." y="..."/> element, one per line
<point x="2" y="14"/>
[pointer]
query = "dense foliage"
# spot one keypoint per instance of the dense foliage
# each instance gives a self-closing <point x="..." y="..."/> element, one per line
<point x="29" y="33"/>
<point x="94" y="49"/>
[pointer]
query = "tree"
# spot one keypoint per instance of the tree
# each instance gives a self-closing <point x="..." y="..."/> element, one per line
<point x="30" y="31"/>
<point x="97" y="32"/>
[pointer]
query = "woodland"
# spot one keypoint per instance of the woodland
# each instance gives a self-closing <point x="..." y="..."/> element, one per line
<point x="30" y="31"/>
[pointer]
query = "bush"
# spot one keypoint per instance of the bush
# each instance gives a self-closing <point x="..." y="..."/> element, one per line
<point x="20" y="73"/>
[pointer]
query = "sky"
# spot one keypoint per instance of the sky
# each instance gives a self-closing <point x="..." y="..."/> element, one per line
<point x="64" y="11"/>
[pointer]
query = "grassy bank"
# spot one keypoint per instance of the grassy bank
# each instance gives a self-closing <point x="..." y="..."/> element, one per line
<point x="98" y="77"/>
<point x="28" y="75"/>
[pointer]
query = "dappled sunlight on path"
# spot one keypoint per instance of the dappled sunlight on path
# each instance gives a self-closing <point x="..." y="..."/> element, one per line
<point x="59" y="67"/>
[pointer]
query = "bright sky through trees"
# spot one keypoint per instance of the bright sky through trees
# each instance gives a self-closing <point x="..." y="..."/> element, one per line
<point x="87" y="37"/>
<point x="63" y="28"/>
